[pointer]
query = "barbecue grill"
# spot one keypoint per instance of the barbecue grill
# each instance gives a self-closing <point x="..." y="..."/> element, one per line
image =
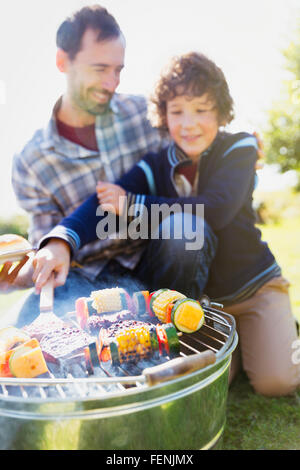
<point x="115" y="408"/>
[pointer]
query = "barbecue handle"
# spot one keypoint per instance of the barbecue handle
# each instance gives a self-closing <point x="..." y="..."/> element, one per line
<point x="179" y="366"/>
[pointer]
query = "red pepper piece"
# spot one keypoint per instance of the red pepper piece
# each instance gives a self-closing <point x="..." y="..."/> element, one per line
<point x="162" y="340"/>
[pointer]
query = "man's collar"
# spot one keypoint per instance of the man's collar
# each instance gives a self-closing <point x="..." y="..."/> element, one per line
<point x="114" y="105"/>
<point x="51" y="136"/>
<point x="52" y="139"/>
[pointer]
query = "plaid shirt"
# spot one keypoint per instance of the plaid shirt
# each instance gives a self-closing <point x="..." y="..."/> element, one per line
<point x="52" y="175"/>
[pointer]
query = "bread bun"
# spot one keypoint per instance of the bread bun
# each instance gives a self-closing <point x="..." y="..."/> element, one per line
<point x="11" y="242"/>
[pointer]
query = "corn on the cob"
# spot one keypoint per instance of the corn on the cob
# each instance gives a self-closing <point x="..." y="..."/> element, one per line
<point x="160" y="303"/>
<point x="133" y="344"/>
<point x="109" y="300"/>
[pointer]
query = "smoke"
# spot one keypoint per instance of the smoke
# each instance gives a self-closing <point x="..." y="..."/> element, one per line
<point x="77" y="285"/>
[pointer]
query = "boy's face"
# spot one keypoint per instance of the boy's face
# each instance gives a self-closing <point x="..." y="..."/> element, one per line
<point x="193" y="123"/>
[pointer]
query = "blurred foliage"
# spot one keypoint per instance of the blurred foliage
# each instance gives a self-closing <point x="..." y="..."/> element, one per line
<point x="17" y="224"/>
<point x="273" y="207"/>
<point x="282" y="136"/>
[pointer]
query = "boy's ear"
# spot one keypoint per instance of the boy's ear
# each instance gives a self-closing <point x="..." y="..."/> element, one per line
<point x="61" y="60"/>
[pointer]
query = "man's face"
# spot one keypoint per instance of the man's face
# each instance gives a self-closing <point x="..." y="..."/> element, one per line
<point x="94" y="74"/>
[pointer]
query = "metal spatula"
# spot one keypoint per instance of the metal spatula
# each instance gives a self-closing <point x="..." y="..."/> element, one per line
<point x="46" y="321"/>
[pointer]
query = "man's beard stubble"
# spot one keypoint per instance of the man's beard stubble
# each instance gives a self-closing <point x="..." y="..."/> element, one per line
<point x="90" y="106"/>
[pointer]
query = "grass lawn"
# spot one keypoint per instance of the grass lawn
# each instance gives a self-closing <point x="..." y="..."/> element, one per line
<point x="7" y="300"/>
<point x="253" y="421"/>
<point x="283" y="239"/>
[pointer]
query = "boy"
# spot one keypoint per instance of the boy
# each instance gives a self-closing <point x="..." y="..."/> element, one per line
<point x="202" y="165"/>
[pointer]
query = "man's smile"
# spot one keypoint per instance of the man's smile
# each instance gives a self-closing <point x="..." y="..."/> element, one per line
<point x="101" y="97"/>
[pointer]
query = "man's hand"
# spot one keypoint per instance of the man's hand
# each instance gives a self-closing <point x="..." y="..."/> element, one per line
<point x="19" y="277"/>
<point x="260" y="152"/>
<point x="54" y="257"/>
<point x="111" y="197"/>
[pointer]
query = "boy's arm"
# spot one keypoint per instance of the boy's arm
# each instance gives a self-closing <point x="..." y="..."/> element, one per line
<point x="79" y="228"/>
<point x="224" y="196"/>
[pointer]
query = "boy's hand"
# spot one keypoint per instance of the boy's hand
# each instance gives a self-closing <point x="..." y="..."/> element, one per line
<point x="260" y="152"/>
<point x="111" y="197"/>
<point x="54" y="257"/>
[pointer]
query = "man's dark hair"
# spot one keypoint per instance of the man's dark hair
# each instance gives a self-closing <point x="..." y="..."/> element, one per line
<point x="94" y="17"/>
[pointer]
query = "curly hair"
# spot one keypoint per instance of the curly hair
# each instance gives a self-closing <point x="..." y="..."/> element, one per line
<point x="191" y="74"/>
<point x="70" y="32"/>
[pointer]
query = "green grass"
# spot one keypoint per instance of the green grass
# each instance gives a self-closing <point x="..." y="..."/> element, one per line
<point x="7" y="301"/>
<point x="254" y="421"/>
<point x="283" y="239"/>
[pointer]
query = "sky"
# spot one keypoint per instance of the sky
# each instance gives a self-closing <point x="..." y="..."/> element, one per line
<point x="245" y="38"/>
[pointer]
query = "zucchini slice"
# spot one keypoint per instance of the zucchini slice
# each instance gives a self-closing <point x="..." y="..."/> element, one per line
<point x="11" y="336"/>
<point x="154" y="343"/>
<point x="172" y="339"/>
<point x="140" y="302"/>
<point x="124" y="301"/>
<point x="187" y="315"/>
<point x="90" y="309"/>
<point x="114" y="353"/>
<point x="94" y="354"/>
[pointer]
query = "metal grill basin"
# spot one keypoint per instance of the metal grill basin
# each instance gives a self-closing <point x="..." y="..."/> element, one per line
<point x="116" y="409"/>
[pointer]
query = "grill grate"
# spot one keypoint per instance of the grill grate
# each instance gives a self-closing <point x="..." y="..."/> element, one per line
<point x="216" y="334"/>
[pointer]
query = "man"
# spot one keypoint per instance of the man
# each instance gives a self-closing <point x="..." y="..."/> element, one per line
<point x="93" y="134"/>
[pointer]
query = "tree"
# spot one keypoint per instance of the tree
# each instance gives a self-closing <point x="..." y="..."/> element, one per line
<point x="282" y="137"/>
